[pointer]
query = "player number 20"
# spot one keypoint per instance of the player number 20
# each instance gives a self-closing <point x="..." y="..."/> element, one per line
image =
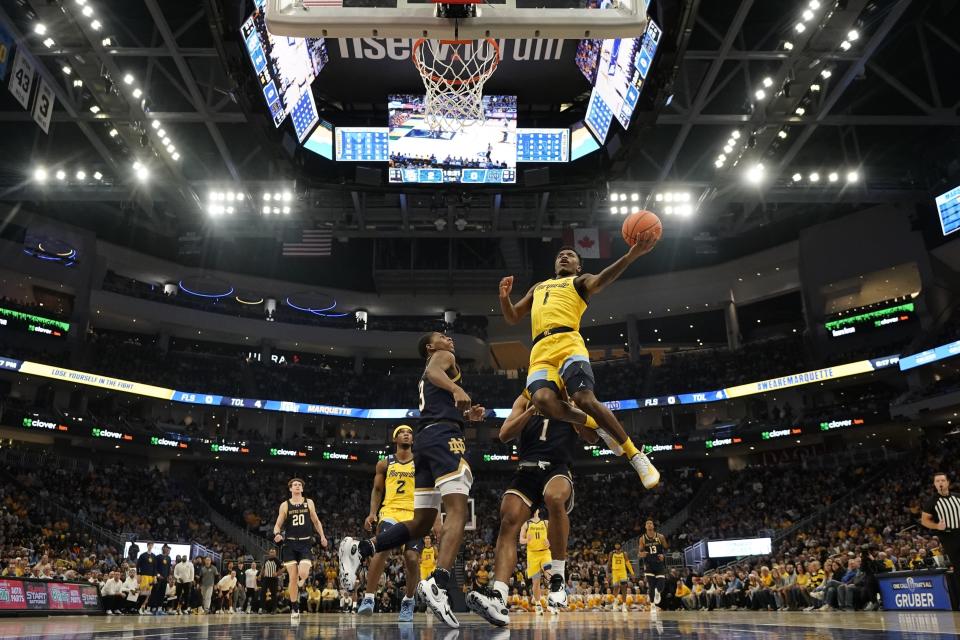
<point x="298" y="519"/>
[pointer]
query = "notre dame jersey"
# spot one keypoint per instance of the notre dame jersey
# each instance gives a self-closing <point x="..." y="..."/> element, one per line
<point x="437" y="405"/>
<point x="398" y="490"/>
<point x="653" y="547"/>
<point x="297" y="525"/>
<point x="548" y="440"/>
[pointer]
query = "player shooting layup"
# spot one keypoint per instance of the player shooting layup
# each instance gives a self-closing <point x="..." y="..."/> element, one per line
<point x="559" y="354"/>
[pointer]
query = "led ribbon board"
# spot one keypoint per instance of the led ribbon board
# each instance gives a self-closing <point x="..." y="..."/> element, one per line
<point x="190" y="397"/>
<point x="13" y="319"/>
<point x="871" y="319"/>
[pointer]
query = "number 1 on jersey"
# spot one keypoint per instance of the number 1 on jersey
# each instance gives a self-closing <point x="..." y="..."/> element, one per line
<point x="543" y="432"/>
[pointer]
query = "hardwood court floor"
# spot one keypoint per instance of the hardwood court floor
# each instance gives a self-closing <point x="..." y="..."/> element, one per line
<point x="569" y="626"/>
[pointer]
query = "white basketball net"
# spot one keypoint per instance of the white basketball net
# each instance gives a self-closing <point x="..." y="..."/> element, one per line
<point x="454" y="72"/>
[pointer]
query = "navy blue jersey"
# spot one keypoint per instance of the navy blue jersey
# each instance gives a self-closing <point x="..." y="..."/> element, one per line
<point x="654" y="548"/>
<point x="548" y="440"/>
<point x="147" y="564"/>
<point x="298" y="525"/>
<point x="437" y="405"/>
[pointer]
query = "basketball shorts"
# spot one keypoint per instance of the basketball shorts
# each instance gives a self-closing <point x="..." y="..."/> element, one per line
<point x="536" y="561"/>
<point x="426" y="570"/>
<point x="440" y="463"/>
<point x="529" y="484"/>
<point x="146" y="582"/>
<point x="618" y="577"/>
<point x="386" y="523"/>
<point x="560" y="360"/>
<point x="296" y="551"/>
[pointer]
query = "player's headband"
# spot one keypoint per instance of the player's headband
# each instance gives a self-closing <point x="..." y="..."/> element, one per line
<point x="402" y="427"/>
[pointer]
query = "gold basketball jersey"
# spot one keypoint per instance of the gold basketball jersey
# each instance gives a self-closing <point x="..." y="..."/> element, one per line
<point x="556" y="303"/>
<point x="537" y="536"/>
<point x="398" y="496"/>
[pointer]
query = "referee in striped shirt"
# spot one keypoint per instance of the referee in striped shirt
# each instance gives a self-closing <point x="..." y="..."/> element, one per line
<point x="270" y="582"/>
<point x="942" y="513"/>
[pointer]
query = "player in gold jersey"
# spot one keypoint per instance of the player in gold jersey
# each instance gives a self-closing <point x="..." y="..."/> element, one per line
<point x="391" y="501"/>
<point x="559" y="354"/>
<point x="534" y="535"/>
<point x="619" y="566"/>
<point x="428" y="558"/>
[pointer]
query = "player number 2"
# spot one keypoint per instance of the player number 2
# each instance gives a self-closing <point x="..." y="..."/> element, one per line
<point x="400" y="486"/>
<point x="298" y="519"/>
<point x="543" y="432"/>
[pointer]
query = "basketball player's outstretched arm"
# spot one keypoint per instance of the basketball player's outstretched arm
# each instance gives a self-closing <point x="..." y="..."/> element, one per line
<point x="280" y="518"/>
<point x="316" y="522"/>
<point x="514" y="313"/>
<point x="589" y="284"/>
<point x="376" y="494"/>
<point x="520" y="414"/>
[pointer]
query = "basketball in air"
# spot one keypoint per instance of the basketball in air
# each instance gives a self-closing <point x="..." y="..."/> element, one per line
<point x="640" y="224"/>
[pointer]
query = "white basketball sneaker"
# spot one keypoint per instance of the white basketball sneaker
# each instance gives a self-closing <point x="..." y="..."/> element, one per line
<point x="436" y="599"/>
<point x="489" y="605"/>
<point x="648" y="473"/>
<point x="349" y="563"/>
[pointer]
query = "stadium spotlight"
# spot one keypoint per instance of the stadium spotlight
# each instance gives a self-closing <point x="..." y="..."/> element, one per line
<point x="624" y="210"/>
<point x="142" y="173"/>
<point x="718" y="164"/>
<point x="735" y="135"/>
<point x="815" y="87"/>
<point x="721" y="158"/>
<point x="613" y="209"/>
<point x="814" y="177"/>
<point x="87" y="11"/>
<point x="40" y="175"/>
<point x="114" y="133"/>
<point x="845" y="46"/>
<point x="668" y="210"/>
<point x="94" y="109"/>
<point x="137" y="93"/>
<point x="276" y="197"/>
<point x="266" y="210"/>
<point x="853" y="176"/>
<point x="81" y="174"/>
<point x="807" y="15"/>
<point x="61" y="175"/>
<point x="833" y="176"/>
<point x="77" y="83"/>
<point x="658" y="197"/>
<point x="826" y="73"/>
<point x="800" y="111"/>
<point x="40" y="29"/>
<point x="155" y="124"/>
<point x="128" y="79"/>
<point x="287" y="196"/>
<point x="66" y="70"/>
<point x="48" y="43"/>
<point x="768" y="82"/>
<point x="728" y="148"/>
<point x="95" y="25"/>
<point x="760" y="94"/>
<point x="814" y="4"/>
<point x="176" y="155"/>
<point x="782" y="134"/>
<point x="754" y="174"/>
<point x="787" y="45"/>
<point x="97" y="176"/>
<point x="685" y="210"/>
<point x="106" y="42"/>
<point x="853" y="36"/>
<point x="800" y="27"/>
<point x="797" y="177"/>
<point x="634" y="197"/>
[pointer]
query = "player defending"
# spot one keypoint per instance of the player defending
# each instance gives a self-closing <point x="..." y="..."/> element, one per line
<point x="297" y="540"/>
<point x="542" y="479"/>
<point x="619" y="566"/>
<point x="442" y="476"/>
<point x="559" y="353"/>
<point x="652" y="546"/>
<point x="393" y="485"/>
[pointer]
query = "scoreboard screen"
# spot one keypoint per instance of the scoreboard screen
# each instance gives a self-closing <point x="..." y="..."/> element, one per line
<point x="599" y="117"/>
<point x="543" y="145"/>
<point x="362" y="144"/>
<point x="304" y="115"/>
<point x="948" y="206"/>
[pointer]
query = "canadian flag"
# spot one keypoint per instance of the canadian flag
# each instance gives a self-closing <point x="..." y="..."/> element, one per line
<point x="589" y="243"/>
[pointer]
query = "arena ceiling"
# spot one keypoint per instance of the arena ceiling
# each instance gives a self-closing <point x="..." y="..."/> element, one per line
<point x="882" y="107"/>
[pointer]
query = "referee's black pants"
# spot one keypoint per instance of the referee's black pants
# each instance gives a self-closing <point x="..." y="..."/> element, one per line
<point x="272" y="586"/>
<point x="951" y="546"/>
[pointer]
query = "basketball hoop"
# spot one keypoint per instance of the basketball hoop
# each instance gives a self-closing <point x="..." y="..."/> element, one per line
<point x="454" y="72"/>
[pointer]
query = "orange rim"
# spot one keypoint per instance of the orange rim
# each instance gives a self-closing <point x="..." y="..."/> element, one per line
<point x="455" y="82"/>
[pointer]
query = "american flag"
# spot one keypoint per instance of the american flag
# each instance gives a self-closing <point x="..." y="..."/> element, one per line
<point x="314" y="243"/>
<point x="322" y="3"/>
